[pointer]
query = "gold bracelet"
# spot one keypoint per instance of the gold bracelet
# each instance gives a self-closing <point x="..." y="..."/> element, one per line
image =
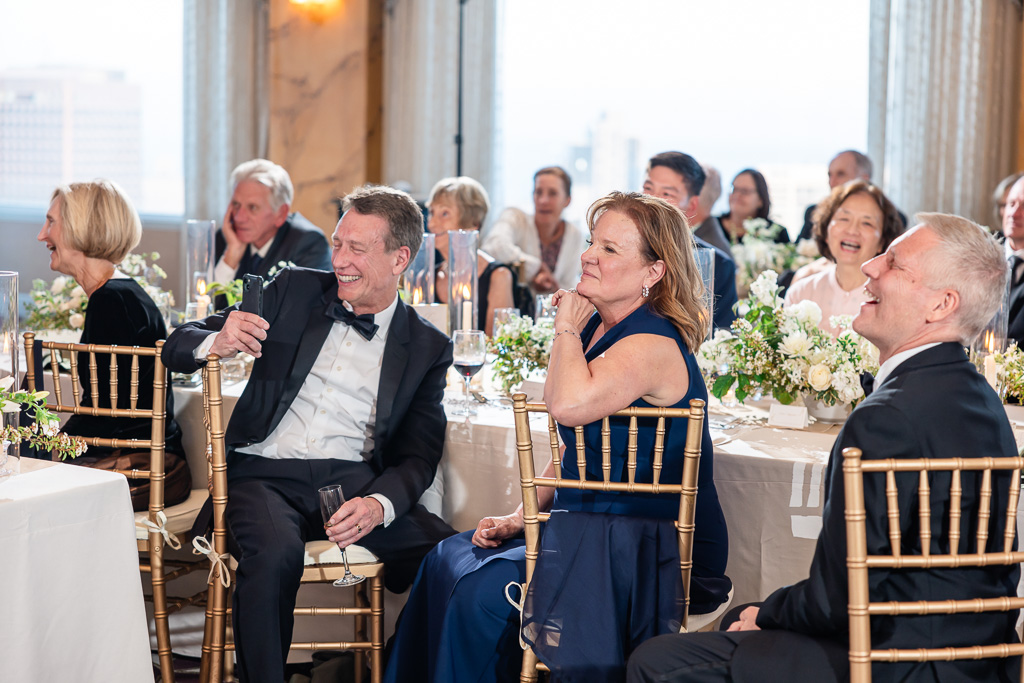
<point x="575" y="334"/>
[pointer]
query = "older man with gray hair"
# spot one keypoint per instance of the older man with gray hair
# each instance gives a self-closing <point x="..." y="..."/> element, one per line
<point x="708" y="227"/>
<point x="259" y="231"/>
<point x="930" y="294"/>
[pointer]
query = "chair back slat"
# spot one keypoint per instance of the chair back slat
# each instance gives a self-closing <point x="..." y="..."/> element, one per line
<point x="133" y="400"/>
<point x="984" y="509"/>
<point x="556" y="452"/>
<point x="686" y="490"/>
<point x="631" y="450"/>
<point x="924" y="509"/>
<point x="955" y="493"/>
<point x="892" y="504"/>
<point x="55" y="360"/>
<point x="94" y="380"/>
<point x="659" y="449"/>
<point x="581" y="453"/>
<point x="112" y="384"/>
<point x="858" y="562"/>
<point x="1009" y="533"/>
<point x="606" y="451"/>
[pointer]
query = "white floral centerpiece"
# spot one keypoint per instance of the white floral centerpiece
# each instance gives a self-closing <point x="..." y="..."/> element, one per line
<point x="44" y="433"/>
<point x="782" y="351"/>
<point x="1010" y="372"/>
<point x="522" y="347"/>
<point x="757" y="251"/>
<point x="58" y="308"/>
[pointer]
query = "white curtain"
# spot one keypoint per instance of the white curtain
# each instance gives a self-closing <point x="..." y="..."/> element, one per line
<point x="226" y="112"/>
<point x="945" y="83"/>
<point x="421" y="50"/>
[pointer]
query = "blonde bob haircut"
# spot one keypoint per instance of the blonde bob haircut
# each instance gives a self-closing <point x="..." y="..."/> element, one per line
<point x="99" y="220"/>
<point x="468" y="195"/>
<point x="664" y="236"/>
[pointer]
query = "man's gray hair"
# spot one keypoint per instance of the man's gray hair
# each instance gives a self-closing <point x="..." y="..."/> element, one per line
<point x="970" y="261"/>
<point x="712" y="189"/>
<point x="397" y="208"/>
<point x="861" y="160"/>
<point x="266" y="173"/>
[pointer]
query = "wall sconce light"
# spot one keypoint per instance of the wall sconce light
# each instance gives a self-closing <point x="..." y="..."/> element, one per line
<point x="317" y="10"/>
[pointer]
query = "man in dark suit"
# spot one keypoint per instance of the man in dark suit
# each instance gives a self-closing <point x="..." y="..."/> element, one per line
<point x="846" y="166"/>
<point x="678" y="179"/>
<point x="931" y="292"/>
<point x="708" y="227"/>
<point x="346" y="389"/>
<point x="1013" y="233"/>
<point x="259" y="232"/>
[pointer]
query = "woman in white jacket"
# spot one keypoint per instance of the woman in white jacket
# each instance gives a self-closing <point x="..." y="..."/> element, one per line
<point x="549" y="246"/>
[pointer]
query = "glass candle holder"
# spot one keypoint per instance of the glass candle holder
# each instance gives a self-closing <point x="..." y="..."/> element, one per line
<point x="418" y="283"/>
<point x="9" y="363"/>
<point x="991" y="341"/>
<point x="705" y="257"/>
<point x="462" y="279"/>
<point x="199" y="261"/>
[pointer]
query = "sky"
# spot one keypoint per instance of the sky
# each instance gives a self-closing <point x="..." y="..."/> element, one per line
<point x="734" y="83"/>
<point x="106" y="35"/>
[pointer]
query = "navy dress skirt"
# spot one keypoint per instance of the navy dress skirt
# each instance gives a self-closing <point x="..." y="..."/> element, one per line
<point x="458" y="626"/>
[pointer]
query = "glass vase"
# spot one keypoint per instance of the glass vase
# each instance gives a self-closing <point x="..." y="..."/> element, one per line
<point x="9" y="363"/>
<point x="462" y="280"/>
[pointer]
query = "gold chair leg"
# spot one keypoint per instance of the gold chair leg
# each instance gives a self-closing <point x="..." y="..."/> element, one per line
<point x="163" y="632"/>
<point x="212" y="665"/>
<point x="360" y="633"/>
<point x="377" y="629"/>
<point x="529" y="670"/>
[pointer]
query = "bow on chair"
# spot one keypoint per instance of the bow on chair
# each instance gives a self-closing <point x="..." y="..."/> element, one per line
<point x="518" y="604"/>
<point x="161" y="528"/>
<point x="201" y="546"/>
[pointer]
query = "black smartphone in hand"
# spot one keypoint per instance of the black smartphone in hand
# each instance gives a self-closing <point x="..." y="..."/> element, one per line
<point x="252" y="295"/>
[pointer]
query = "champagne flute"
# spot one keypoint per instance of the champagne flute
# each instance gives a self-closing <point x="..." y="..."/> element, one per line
<point x="469" y="356"/>
<point x="331" y="500"/>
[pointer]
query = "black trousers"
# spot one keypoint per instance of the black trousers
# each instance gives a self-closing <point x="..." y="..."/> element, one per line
<point x="273" y="510"/>
<point x="738" y="656"/>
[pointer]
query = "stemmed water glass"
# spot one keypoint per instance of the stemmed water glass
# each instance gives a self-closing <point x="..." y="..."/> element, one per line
<point x="331" y="500"/>
<point x="469" y="356"/>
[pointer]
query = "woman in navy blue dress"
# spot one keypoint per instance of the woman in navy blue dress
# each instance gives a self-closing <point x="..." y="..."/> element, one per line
<point x="636" y="350"/>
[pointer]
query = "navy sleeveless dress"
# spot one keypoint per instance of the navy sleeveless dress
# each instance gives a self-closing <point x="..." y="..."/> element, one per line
<point x="457" y="624"/>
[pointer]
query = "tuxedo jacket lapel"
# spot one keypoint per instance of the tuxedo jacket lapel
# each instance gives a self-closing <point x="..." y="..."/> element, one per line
<point x="393" y="364"/>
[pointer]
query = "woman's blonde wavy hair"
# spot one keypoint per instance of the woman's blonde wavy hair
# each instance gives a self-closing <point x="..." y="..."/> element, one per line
<point x="665" y="236"/>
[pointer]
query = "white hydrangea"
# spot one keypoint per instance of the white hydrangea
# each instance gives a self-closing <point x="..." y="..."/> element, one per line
<point x="807" y="248"/>
<point x="765" y="290"/>
<point x="806" y="311"/>
<point x="58" y="285"/>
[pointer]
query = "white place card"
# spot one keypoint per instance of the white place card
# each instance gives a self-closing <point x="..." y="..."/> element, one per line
<point x="788" y="417"/>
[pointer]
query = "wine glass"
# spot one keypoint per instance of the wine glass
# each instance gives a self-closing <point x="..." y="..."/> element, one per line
<point x="331" y="499"/>
<point x="470" y="352"/>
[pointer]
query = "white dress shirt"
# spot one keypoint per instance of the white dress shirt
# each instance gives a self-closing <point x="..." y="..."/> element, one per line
<point x="894" y="362"/>
<point x="222" y="272"/>
<point x="335" y="411"/>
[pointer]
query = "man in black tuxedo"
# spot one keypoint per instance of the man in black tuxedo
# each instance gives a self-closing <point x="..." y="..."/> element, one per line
<point x="932" y="292"/>
<point x="1013" y="232"/>
<point x="346" y="389"/>
<point x="258" y="231"/>
<point x="678" y="179"/>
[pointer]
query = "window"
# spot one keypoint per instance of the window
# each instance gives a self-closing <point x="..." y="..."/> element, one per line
<point x="599" y="86"/>
<point x="92" y="90"/>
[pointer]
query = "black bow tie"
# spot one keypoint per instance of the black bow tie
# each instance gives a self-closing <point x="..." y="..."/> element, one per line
<point x="363" y="324"/>
<point x="867" y="383"/>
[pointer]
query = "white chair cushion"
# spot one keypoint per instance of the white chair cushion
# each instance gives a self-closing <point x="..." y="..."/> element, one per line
<point x="698" y="622"/>
<point x="180" y="517"/>
<point x="325" y="552"/>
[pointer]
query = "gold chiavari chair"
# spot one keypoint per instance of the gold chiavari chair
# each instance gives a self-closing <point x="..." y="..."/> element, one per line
<point x="686" y="490"/>
<point x="158" y="526"/>
<point x="323" y="564"/>
<point x="859" y="563"/>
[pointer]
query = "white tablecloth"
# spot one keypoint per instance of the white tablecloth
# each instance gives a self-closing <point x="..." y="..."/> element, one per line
<point x="71" y="598"/>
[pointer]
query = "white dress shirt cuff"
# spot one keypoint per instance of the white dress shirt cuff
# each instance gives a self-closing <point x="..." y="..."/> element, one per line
<point x="223" y="273"/>
<point x="203" y="350"/>
<point x="389" y="509"/>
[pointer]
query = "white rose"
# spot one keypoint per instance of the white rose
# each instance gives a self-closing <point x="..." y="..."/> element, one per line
<point x="795" y="344"/>
<point x="58" y="285"/>
<point x="76" y="320"/>
<point x="742" y="308"/>
<point x="819" y="377"/>
<point x="806" y="311"/>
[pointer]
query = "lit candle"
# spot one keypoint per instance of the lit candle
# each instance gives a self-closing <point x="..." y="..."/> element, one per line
<point x="990" y="371"/>
<point x="202" y="300"/>
<point x="417" y="295"/>
<point x="467" y="308"/>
